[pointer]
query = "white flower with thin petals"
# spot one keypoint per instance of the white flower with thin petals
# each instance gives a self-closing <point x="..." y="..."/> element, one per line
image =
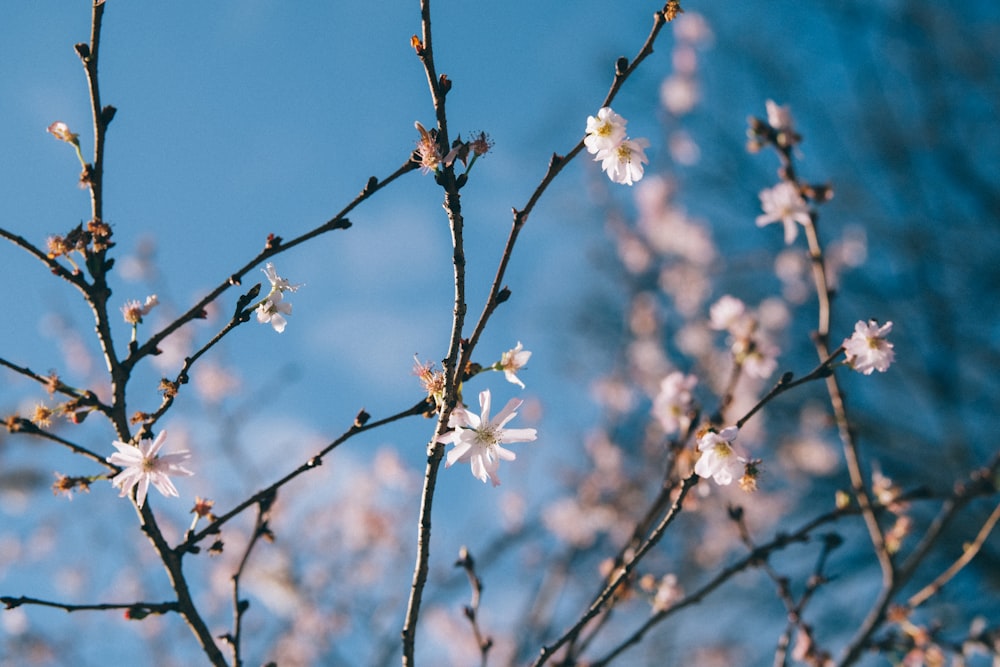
<point x="133" y="311"/>
<point x="784" y="203"/>
<point x="512" y="361"/>
<point x="273" y="309"/>
<point x="867" y="349"/>
<point x="604" y="132"/>
<point x="718" y="459"/>
<point x="278" y="284"/>
<point x="478" y="439"/>
<point x="673" y="404"/>
<point x="142" y="465"/>
<point x="623" y="163"/>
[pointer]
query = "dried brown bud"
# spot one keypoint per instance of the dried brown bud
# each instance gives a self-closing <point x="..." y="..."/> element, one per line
<point x="203" y="508"/>
<point x="138" y="417"/>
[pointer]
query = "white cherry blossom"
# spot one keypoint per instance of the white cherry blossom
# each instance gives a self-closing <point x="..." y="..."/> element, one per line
<point x="479" y="439"/>
<point x="142" y="465"/>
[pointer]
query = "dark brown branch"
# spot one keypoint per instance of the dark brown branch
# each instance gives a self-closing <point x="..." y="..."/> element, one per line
<point x="339" y="221"/>
<point x="81" y="397"/>
<point x="192" y="539"/>
<point x="240" y="606"/>
<point x="621" y="576"/>
<point x="134" y="610"/>
<point x="21" y="425"/>
<point x="171" y="388"/>
<point x="54" y="266"/>
<point x="467" y="563"/>
<point x="498" y="293"/>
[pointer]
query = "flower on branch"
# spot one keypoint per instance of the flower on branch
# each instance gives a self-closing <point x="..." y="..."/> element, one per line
<point x="718" y="459"/>
<point x="278" y="284"/>
<point x="133" y="311"/>
<point x="432" y="381"/>
<point x="142" y="465"/>
<point x="620" y="157"/>
<point x="478" y="439"/>
<point x="61" y="131"/>
<point x="784" y="203"/>
<point x="427" y="150"/>
<point x="512" y="361"/>
<point x="867" y="349"/>
<point x="274" y="308"/>
<point x="673" y="404"/>
<point x="604" y="132"/>
<point x="623" y="164"/>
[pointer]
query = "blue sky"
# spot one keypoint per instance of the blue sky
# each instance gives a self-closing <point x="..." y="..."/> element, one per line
<point x="236" y="120"/>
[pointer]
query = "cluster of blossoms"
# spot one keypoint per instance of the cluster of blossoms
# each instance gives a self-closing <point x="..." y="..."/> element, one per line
<point x="479" y="439"/>
<point x="620" y="156"/>
<point x="753" y="350"/>
<point x="672" y="405"/>
<point x="274" y="308"/>
<point x="143" y="465"/>
<point x="784" y="202"/>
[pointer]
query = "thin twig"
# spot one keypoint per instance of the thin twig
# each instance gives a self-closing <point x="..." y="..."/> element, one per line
<point x="170" y="391"/>
<point x="621" y="575"/>
<point x="498" y="293"/>
<point x="240" y="606"/>
<point x="135" y="610"/>
<point x="21" y="425"/>
<point x="192" y="539"/>
<point x="272" y="248"/>
<point x="483" y="643"/>
<point x="969" y="552"/>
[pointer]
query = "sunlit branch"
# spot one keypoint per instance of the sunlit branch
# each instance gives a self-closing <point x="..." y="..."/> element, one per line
<point x="88" y="56"/>
<point x="621" y="575"/>
<point x="981" y="482"/>
<point x="969" y="552"/>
